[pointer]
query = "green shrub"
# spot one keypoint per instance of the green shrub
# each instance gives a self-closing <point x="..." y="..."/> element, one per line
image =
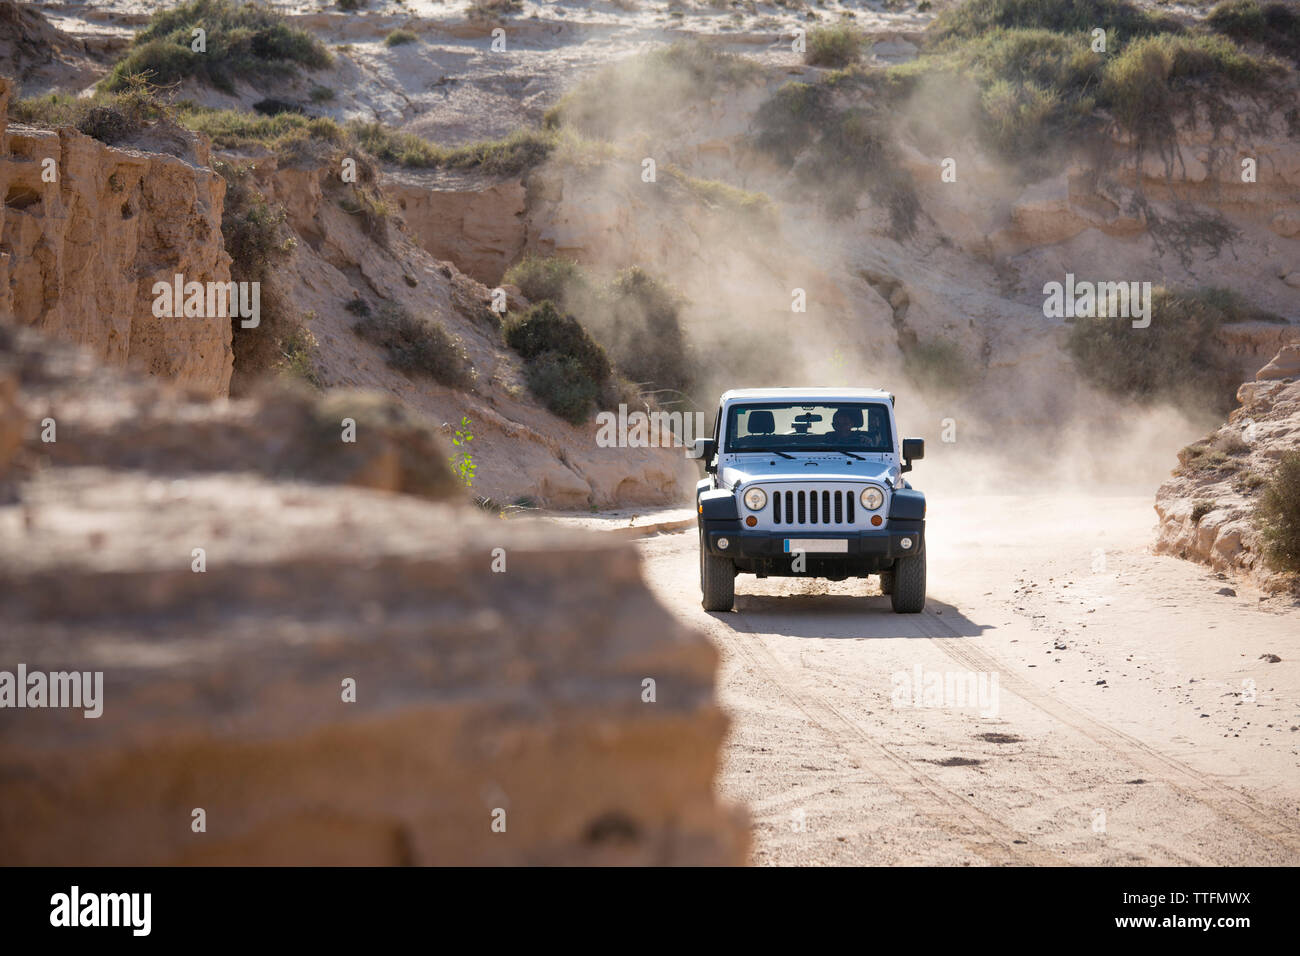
<point x="243" y="40"/>
<point x="1040" y="88"/>
<point x="553" y="278"/>
<point x="254" y="230"/>
<point x="399" y="37"/>
<point x="349" y="5"/>
<point x="1278" y="514"/>
<point x="493" y="9"/>
<point x="520" y="151"/>
<point x="417" y="346"/>
<point x="297" y="356"/>
<point x="840" y="152"/>
<point x="837" y="45"/>
<point x="544" y="328"/>
<point x="1175" y="359"/>
<point x="371" y="209"/>
<point x="1148" y="84"/>
<point x="107" y="117"/>
<point x="564" y="366"/>
<point x="789" y="117"/>
<point x="976" y="18"/>
<point x="1200" y="509"/>
<point x="642" y="331"/>
<point x="1216" y="455"/>
<point x="1274" y="25"/>
<point x="562" y="384"/>
<point x="1233" y="307"/>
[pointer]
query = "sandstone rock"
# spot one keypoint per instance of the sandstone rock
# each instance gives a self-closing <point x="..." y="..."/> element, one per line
<point x="39" y="56"/>
<point x="82" y="254"/>
<point x="1286" y="364"/>
<point x="477" y="691"/>
<point x="1226" y="470"/>
<point x="109" y="420"/>
<point x="475" y="224"/>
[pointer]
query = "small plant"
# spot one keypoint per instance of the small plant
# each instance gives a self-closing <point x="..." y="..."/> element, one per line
<point x="837" y="45"/>
<point x="493" y="9"/>
<point x="321" y="94"/>
<point x="1200" y="509"/>
<point x="1250" y="482"/>
<point x="358" y="307"/>
<point x="1278" y="513"/>
<point x="417" y="346"/>
<point x="372" y="211"/>
<point x="399" y="37"/>
<point x="462" y="462"/>
<point x="297" y="351"/>
<point x="254" y="230"/>
<point x="349" y="5"/>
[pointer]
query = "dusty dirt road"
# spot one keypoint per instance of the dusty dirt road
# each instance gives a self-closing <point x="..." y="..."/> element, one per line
<point x="1137" y="718"/>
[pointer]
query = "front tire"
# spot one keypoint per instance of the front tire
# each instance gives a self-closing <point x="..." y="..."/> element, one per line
<point x="908" y="592"/>
<point x="717" y="580"/>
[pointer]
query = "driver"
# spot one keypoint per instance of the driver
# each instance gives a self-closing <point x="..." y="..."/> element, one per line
<point x="842" y="424"/>
<point x="845" y="428"/>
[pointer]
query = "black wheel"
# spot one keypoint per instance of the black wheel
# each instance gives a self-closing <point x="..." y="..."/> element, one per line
<point x="886" y="582"/>
<point x="717" y="580"/>
<point x="908" y="592"/>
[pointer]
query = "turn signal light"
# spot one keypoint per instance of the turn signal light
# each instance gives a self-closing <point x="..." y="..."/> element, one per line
<point x="877" y="521"/>
<point x="751" y="521"/>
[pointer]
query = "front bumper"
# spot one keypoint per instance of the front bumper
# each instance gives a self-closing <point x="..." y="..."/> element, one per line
<point x="883" y="544"/>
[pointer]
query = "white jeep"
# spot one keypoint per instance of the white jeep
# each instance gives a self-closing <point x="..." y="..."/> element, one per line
<point x="808" y="482"/>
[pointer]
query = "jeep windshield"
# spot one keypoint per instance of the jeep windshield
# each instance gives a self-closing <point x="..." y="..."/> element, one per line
<point x="794" y="427"/>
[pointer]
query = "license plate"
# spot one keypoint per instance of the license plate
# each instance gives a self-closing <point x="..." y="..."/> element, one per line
<point x="813" y="545"/>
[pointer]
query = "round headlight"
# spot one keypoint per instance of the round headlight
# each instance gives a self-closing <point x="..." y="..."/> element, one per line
<point x="755" y="499"/>
<point x="872" y="498"/>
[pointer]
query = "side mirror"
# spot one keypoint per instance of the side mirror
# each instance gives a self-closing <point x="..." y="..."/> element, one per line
<point x="703" y="449"/>
<point x="913" y="450"/>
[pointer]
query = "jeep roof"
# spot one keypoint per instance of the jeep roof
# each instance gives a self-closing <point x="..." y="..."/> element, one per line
<point x="819" y="393"/>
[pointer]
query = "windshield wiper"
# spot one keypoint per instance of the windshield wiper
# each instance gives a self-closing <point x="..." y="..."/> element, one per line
<point x="851" y="455"/>
<point x="765" y="451"/>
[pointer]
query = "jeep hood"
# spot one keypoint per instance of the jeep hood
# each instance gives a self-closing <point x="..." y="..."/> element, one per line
<point x="819" y="467"/>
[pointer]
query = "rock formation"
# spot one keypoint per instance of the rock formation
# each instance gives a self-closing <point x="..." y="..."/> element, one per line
<point x="1206" y="509"/>
<point x="86" y="230"/>
<point x="354" y="677"/>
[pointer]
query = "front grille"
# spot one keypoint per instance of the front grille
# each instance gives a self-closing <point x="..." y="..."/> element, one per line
<point x="813" y="507"/>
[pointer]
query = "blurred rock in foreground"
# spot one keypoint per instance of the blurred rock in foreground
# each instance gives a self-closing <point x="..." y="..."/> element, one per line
<point x="513" y="696"/>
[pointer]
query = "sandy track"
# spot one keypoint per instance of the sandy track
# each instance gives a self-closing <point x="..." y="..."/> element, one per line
<point x="1136" y="722"/>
